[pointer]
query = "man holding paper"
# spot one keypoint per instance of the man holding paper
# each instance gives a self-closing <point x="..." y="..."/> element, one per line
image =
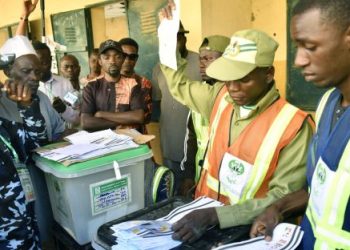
<point x="321" y="32"/>
<point x="257" y="141"/>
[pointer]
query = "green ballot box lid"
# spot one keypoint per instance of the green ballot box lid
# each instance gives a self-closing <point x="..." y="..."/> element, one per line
<point x="124" y="158"/>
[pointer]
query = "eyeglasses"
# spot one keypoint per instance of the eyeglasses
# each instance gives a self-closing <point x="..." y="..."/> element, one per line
<point x="132" y="57"/>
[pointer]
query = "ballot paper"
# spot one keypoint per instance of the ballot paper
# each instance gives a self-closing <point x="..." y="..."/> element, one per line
<point x="156" y="234"/>
<point x="286" y="236"/>
<point x="167" y="34"/>
<point x="103" y="136"/>
<point x="87" y="146"/>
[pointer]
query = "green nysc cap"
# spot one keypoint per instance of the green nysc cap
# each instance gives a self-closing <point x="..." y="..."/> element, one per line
<point x="215" y="43"/>
<point x="248" y="49"/>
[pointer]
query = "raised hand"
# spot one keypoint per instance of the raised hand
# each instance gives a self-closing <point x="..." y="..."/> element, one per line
<point x="166" y="12"/>
<point x="18" y="92"/>
<point x="28" y="7"/>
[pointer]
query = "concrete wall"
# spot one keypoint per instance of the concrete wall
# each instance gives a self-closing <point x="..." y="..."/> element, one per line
<point x="191" y="18"/>
<point x="271" y="17"/>
<point x="227" y="16"/>
<point x="224" y="17"/>
<point x="11" y="10"/>
<point x="200" y="17"/>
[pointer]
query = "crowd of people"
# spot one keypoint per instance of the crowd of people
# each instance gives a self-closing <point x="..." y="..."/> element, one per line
<point x="225" y="131"/>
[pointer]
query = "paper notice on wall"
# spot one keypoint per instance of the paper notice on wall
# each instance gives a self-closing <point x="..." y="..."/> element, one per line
<point x="110" y="193"/>
<point x="167" y="34"/>
<point x="114" y="10"/>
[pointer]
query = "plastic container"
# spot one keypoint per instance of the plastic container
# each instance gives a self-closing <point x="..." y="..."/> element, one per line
<point x="86" y="195"/>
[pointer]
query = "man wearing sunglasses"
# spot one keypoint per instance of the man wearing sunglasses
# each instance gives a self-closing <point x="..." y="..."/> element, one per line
<point x="131" y="49"/>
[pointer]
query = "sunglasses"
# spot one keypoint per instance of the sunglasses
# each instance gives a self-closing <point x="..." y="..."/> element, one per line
<point x="132" y="57"/>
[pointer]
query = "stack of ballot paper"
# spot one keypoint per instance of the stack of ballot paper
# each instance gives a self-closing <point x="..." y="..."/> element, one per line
<point x="85" y="145"/>
<point x="285" y="236"/>
<point x="156" y="234"/>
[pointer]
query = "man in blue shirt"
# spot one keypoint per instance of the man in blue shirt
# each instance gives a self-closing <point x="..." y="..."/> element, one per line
<point x="321" y="32"/>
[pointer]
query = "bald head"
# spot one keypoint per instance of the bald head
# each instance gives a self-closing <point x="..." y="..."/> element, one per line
<point x="70" y="68"/>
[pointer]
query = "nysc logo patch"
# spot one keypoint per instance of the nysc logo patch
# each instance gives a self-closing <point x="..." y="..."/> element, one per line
<point x="236" y="167"/>
<point x="321" y="175"/>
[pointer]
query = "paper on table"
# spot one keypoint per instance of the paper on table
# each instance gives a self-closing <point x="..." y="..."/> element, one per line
<point x="83" y="137"/>
<point x="87" y="146"/>
<point x="70" y="151"/>
<point x="152" y="235"/>
<point x="286" y="236"/>
<point x="167" y="34"/>
<point x="82" y="152"/>
<point x="199" y="203"/>
<point x="135" y="135"/>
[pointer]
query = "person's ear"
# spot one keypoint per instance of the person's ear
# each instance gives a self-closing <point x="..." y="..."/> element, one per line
<point x="7" y="71"/>
<point x="347" y="37"/>
<point x="270" y="74"/>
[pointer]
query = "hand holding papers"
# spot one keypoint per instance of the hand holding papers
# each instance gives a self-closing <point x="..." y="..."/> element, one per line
<point x="157" y="234"/>
<point x="285" y="236"/>
<point x="167" y="34"/>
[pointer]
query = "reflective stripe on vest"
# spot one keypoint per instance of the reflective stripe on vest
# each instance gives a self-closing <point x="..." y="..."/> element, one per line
<point x="205" y="178"/>
<point x="263" y="159"/>
<point x="201" y="128"/>
<point x="214" y="123"/>
<point x="321" y="106"/>
<point x="328" y="229"/>
<point x="158" y="176"/>
<point x="280" y="123"/>
<point x="267" y="149"/>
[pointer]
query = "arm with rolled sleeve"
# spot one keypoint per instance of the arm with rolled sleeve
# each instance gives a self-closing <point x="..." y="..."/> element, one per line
<point x="289" y="176"/>
<point x="195" y="95"/>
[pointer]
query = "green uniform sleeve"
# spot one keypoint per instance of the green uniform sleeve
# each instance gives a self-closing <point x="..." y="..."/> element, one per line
<point x="194" y="94"/>
<point x="289" y="176"/>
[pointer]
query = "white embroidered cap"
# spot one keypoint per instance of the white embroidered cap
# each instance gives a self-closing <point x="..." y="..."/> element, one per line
<point x="18" y="45"/>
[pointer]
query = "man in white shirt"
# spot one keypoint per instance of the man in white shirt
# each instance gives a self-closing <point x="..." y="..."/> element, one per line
<point x="56" y="87"/>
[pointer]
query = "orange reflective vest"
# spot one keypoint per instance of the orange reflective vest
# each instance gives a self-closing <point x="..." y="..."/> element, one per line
<point x="259" y="144"/>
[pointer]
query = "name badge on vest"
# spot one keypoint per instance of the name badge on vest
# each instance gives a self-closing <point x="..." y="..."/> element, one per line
<point x="26" y="181"/>
<point x="234" y="174"/>
<point x="320" y="183"/>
